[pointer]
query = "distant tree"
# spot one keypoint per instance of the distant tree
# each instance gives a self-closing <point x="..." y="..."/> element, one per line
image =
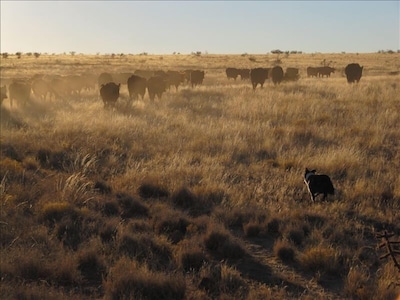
<point x="113" y="55"/>
<point x="18" y="54"/>
<point x="5" y="55"/>
<point x="29" y="54"/>
<point x="252" y="59"/>
<point x="72" y="53"/>
<point x="277" y="51"/>
<point x="36" y="54"/>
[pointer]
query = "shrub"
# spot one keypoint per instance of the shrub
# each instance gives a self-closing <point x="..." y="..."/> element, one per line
<point x="110" y="208"/>
<point x="284" y="251"/>
<point x="129" y="280"/>
<point x="320" y="259"/>
<point x="190" y="257"/>
<point x="102" y="187"/>
<point x="131" y="207"/>
<point x="221" y="244"/>
<point x="184" y="199"/>
<point x="252" y="229"/>
<point x="53" y="212"/>
<point x="145" y="249"/>
<point x="91" y="266"/>
<point x="149" y="190"/>
<point x="296" y="236"/>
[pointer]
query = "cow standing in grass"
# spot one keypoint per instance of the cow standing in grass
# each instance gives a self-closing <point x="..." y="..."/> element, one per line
<point x="232" y="73"/>
<point x="325" y="71"/>
<point x="19" y="91"/>
<point x="353" y="72"/>
<point x="136" y="87"/>
<point x="196" y="77"/>
<point x="277" y="75"/>
<point x="156" y="86"/>
<point x="258" y="76"/>
<point x="312" y="72"/>
<point x="109" y="93"/>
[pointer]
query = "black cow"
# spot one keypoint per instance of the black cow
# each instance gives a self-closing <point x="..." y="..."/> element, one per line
<point x="196" y="77"/>
<point x="136" y="87"/>
<point x="19" y="91"/>
<point x="258" y="76"/>
<point x="244" y="74"/>
<point x="325" y="71"/>
<point x="353" y="72"/>
<point x="232" y="73"/>
<point x="291" y="74"/>
<point x="109" y="92"/>
<point x="312" y="72"/>
<point x="175" y="78"/>
<point x="156" y="86"/>
<point x="277" y="75"/>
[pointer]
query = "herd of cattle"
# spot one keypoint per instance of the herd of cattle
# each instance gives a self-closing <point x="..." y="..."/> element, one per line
<point x="155" y="82"/>
<point x="258" y="76"/>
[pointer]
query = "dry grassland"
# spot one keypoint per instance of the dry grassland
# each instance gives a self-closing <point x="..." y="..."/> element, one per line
<point x="200" y="195"/>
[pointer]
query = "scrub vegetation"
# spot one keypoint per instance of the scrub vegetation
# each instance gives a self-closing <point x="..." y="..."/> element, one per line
<point x="200" y="194"/>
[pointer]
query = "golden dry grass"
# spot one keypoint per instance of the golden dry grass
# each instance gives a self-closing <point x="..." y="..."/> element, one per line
<point x="201" y="176"/>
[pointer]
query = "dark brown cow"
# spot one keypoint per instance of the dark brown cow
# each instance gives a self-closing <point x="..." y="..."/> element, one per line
<point x="41" y="88"/>
<point x="244" y="74"/>
<point x="19" y="91"/>
<point x="312" y="72"/>
<point x="232" y="73"/>
<point x="325" y="71"/>
<point x="196" y="77"/>
<point x="353" y="72"/>
<point x="258" y="76"/>
<point x="156" y="86"/>
<point x="277" y="75"/>
<point x="291" y="74"/>
<point x="136" y="86"/>
<point x="175" y="78"/>
<point x="3" y="93"/>
<point x="109" y="93"/>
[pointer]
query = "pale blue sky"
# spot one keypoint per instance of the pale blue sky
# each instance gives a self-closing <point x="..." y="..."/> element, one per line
<point x="223" y="27"/>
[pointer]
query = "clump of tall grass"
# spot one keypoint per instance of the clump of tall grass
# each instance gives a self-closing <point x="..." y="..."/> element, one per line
<point x="128" y="279"/>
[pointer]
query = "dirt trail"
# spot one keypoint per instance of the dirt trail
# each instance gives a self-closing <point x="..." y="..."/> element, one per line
<point x="263" y="267"/>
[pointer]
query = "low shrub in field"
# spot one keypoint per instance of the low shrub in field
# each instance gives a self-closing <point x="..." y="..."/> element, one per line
<point x="190" y="257"/>
<point x="53" y="212"/>
<point x="102" y="187"/>
<point x="149" y="190"/>
<point x="284" y="251"/>
<point x="129" y="280"/>
<point x="221" y="243"/>
<point x="171" y="223"/>
<point x="131" y="207"/>
<point x="252" y="229"/>
<point x="154" y="251"/>
<point x="296" y="236"/>
<point x="184" y="199"/>
<point x="238" y="216"/>
<point x="91" y="266"/>
<point x="320" y="259"/>
<point x="222" y="280"/>
<point x="357" y="285"/>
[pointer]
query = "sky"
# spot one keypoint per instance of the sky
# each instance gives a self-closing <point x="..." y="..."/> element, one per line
<point x="214" y="27"/>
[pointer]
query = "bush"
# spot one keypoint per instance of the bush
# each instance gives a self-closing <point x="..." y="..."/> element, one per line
<point x="284" y="251"/>
<point x="129" y="280"/>
<point x="320" y="259"/>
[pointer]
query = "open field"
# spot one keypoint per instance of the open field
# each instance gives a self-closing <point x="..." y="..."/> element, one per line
<point x="200" y="195"/>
